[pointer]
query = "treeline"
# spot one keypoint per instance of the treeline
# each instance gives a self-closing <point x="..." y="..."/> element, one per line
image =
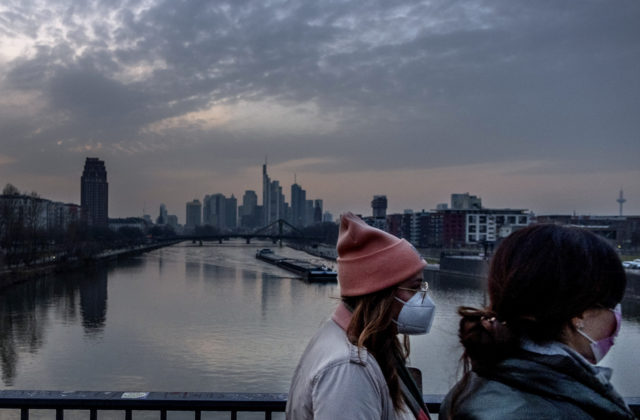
<point x="28" y="235"/>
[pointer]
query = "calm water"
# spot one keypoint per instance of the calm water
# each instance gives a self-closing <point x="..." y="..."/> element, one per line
<point x="211" y="318"/>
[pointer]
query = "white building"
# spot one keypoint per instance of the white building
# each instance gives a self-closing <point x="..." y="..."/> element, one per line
<point x="490" y="225"/>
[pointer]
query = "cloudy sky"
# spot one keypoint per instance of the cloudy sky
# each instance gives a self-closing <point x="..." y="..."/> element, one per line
<point x="528" y="104"/>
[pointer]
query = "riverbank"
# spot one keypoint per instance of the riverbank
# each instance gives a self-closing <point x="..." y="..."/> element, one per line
<point x="14" y="275"/>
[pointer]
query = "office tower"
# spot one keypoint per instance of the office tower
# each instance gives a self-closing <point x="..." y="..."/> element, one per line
<point x="317" y="211"/>
<point x="214" y="211"/>
<point x="231" y="212"/>
<point x="379" y="206"/>
<point x="162" y="215"/>
<point x="194" y="214"/>
<point x="172" y="220"/>
<point x="465" y="202"/>
<point x="94" y="193"/>
<point x="273" y="205"/>
<point x="248" y="212"/>
<point x="308" y="212"/>
<point x="220" y="212"/>
<point x="266" y="190"/>
<point x="298" y="205"/>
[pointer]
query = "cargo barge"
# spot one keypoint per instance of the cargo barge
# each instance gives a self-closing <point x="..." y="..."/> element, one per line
<point x="308" y="271"/>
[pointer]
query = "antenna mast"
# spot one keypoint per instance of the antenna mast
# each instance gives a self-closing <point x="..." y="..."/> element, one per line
<point x="621" y="200"/>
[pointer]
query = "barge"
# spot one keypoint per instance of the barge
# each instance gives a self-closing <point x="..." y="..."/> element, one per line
<point x="308" y="271"/>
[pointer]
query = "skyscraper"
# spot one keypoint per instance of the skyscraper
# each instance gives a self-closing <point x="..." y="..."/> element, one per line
<point x="94" y="193"/>
<point x="266" y="196"/>
<point x="298" y="205"/>
<point x="248" y="211"/>
<point x="379" y="206"/>
<point x="273" y="204"/>
<point x="163" y="215"/>
<point x="231" y="212"/>
<point x="317" y="211"/>
<point x="194" y="214"/>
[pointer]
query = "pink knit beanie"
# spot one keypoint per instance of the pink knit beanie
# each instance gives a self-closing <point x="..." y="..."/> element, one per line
<point x="370" y="259"/>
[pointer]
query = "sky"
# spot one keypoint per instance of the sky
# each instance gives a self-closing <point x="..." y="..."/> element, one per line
<point x="527" y="104"/>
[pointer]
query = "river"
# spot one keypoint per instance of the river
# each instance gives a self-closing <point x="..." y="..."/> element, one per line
<point x="211" y="318"/>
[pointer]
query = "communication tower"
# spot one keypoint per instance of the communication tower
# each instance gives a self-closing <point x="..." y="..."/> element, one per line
<point x="621" y="200"/>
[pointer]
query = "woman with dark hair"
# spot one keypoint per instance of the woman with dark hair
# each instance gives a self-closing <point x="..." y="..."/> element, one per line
<point x="554" y="312"/>
<point x="354" y="367"/>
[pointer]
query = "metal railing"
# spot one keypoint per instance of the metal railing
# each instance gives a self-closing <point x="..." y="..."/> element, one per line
<point x="163" y="402"/>
<point x="128" y="402"/>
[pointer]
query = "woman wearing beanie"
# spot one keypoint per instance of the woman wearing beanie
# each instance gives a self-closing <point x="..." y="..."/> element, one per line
<point x="554" y="312"/>
<point x="354" y="367"/>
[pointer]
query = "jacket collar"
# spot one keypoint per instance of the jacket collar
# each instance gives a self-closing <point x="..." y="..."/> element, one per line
<point x="342" y="316"/>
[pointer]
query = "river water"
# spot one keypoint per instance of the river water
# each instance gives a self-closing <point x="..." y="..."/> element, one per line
<point x="212" y="318"/>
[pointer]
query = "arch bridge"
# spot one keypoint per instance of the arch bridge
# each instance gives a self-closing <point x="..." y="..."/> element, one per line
<point x="276" y="232"/>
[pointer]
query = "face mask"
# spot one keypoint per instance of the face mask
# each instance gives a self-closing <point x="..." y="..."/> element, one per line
<point x="601" y="347"/>
<point x="416" y="315"/>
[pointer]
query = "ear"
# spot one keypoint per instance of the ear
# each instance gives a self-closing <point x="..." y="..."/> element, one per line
<point x="577" y="322"/>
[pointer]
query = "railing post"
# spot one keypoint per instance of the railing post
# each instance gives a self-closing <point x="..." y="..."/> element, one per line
<point x="267" y="415"/>
<point x="59" y="414"/>
<point x="163" y="414"/>
<point x="93" y="414"/>
<point x="234" y="415"/>
<point x="127" y="415"/>
<point x="197" y="415"/>
<point x="24" y="414"/>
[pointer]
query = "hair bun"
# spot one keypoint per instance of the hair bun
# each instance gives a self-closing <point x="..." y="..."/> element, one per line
<point x="485" y="338"/>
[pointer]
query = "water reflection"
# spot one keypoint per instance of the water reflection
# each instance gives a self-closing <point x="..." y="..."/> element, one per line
<point x="27" y="309"/>
<point x="210" y="318"/>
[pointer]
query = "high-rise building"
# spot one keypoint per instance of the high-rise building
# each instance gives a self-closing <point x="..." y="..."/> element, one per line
<point x="194" y="214"/>
<point x="94" y="193"/>
<point x="172" y="220"/>
<point x="379" y="206"/>
<point x="248" y="212"/>
<point x="465" y="202"/>
<point x="163" y="214"/>
<point x="317" y="211"/>
<point x="231" y="212"/>
<point x="214" y="211"/>
<point x="273" y="205"/>
<point x="298" y="205"/>
<point x="266" y="194"/>
<point x="308" y="212"/>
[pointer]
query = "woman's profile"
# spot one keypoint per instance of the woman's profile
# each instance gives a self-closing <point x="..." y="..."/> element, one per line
<point x="554" y="313"/>
<point x="354" y="366"/>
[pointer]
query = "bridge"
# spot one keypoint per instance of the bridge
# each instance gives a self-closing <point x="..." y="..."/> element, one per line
<point x="276" y="232"/>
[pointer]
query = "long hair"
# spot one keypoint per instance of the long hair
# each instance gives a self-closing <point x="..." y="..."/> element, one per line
<point x="539" y="279"/>
<point x="372" y="328"/>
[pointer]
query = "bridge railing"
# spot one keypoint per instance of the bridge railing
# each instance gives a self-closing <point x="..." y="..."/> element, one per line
<point x="164" y="402"/>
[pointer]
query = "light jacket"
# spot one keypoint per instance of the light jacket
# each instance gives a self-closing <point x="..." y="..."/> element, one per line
<point x="536" y="386"/>
<point x="337" y="380"/>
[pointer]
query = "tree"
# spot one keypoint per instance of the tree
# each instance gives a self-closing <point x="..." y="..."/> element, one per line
<point x="9" y="189"/>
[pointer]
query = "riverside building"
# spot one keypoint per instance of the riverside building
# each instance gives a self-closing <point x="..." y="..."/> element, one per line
<point x="94" y="193"/>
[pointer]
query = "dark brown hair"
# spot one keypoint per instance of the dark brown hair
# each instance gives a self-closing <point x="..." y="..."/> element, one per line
<point x="372" y="328"/>
<point x="539" y="279"/>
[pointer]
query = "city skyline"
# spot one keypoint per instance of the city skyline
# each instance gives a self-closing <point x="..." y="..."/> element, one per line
<point x="525" y="104"/>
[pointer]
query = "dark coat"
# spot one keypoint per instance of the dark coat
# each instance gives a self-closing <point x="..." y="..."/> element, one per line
<point x="535" y="386"/>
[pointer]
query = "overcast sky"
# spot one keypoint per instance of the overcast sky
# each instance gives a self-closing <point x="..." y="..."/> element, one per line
<point x="528" y="104"/>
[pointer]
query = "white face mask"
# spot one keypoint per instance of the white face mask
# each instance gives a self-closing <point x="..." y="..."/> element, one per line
<point x="416" y="315"/>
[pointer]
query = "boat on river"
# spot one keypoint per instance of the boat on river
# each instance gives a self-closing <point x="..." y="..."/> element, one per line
<point x="307" y="270"/>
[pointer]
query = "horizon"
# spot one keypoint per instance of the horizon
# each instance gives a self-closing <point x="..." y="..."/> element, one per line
<point x="363" y="210"/>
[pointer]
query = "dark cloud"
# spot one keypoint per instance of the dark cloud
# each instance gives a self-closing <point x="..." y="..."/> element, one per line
<point x="404" y="84"/>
